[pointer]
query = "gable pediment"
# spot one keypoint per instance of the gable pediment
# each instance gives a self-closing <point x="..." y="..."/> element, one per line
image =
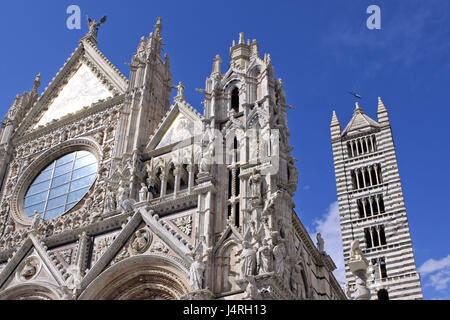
<point x="179" y="124"/>
<point x="83" y="89"/>
<point x="359" y="123"/>
<point x="30" y="264"/>
<point x="85" y="79"/>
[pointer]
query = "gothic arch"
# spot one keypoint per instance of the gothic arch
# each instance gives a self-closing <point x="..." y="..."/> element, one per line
<point x="33" y="291"/>
<point x="146" y="277"/>
<point x="224" y="273"/>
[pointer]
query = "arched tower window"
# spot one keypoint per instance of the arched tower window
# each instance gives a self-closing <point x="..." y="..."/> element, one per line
<point x="235" y="99"/>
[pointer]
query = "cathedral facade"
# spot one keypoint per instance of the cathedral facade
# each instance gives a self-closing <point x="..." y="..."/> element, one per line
<point x="372" y="207"/>
<point x="109" y="191"/>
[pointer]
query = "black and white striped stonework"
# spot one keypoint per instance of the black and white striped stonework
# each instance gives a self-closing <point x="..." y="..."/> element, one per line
<point x="371" y="203"/>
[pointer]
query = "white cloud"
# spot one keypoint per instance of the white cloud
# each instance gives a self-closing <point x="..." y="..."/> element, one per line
<point x="432" y="265"/>
<point x="329" y="228"/>
<point x="436" y="273"/>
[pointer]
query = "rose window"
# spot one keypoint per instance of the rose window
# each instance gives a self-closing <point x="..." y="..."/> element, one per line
<point x="61" y="185"/>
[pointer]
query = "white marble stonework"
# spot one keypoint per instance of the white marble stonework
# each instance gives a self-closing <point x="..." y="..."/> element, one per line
<point x="167" y="217"/>
<point x="83" y="89"/>
<point x="180" y="129"/>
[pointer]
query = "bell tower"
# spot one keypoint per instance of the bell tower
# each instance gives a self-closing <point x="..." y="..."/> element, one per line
<point x="371" y="204"/>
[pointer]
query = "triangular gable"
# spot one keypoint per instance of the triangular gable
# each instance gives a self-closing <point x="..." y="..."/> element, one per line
<point x="230" y="232"/>
<point x="360" y="122"/>
<point x="82" y="89"/>
<point x="120" y="240"/>
<point x="180" y="123"/>
<point x="86" y="78"/>
<point x="45" y="270"/>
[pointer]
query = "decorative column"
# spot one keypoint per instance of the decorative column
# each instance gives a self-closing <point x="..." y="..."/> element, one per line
<point x="163" y="179"/>
<point x="191" y="178"/>
<point x="363" y="173"/>
<point x="378" y="203"/>
<point x="176" y="187"/>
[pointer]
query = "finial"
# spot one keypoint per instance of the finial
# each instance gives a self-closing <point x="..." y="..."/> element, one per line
<point x="216" y="65"/>
<point x="357" y="107"/>
<point x="141" y="46"/>
<point x="241" y="38"/>
<point x="158" y="26"/>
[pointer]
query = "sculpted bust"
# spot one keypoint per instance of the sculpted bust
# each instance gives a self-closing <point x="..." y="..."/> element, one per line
<point x="140" y="243"/>
<point x="28" y="271"/>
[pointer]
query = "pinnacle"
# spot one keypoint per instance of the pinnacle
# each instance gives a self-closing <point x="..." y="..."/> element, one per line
<point x="334" y="119"/>
<point x="358" y="108"/>
<point x="381" y="106"/>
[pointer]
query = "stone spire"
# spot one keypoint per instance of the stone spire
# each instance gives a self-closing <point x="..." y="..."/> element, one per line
<point x="382" y="113"/>
<point x="335" y="126"/>
<point x="155" y="40"/>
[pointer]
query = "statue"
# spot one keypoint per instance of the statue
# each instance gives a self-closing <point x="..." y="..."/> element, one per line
<point x="296" y="280"/>
<point x="248" y="260"/>
<point x="358" y="266"/>
<point x="93" y="26"/>
<point x="110" y="201"/>
<point x="152" y="192"/>
<point x="265" y="262"/>
<point x="355" y="251"/>
<point x="196" y="273"/>
<point x="279" y="254"/>
<point x="320" y="243"/>
<point x="207" y="159"/>
<point x="255" y="185"/>
<point x="124" y="202"/>
<point x="143" y="193"/>
<point x="180" y="92"/>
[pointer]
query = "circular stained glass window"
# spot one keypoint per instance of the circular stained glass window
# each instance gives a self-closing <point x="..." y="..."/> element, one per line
<point x="61" y="185"/>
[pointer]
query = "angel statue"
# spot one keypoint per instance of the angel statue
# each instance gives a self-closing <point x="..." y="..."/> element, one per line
<point x="93" y="26"/>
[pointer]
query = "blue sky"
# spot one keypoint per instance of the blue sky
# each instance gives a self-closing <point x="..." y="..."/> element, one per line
<point x="321" y="49"/>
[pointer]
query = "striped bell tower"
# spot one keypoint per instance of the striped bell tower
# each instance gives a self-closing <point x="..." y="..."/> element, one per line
<point x="371" y="204"/>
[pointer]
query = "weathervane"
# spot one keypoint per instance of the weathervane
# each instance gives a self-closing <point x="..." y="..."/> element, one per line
<point x="355" y="94"/>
